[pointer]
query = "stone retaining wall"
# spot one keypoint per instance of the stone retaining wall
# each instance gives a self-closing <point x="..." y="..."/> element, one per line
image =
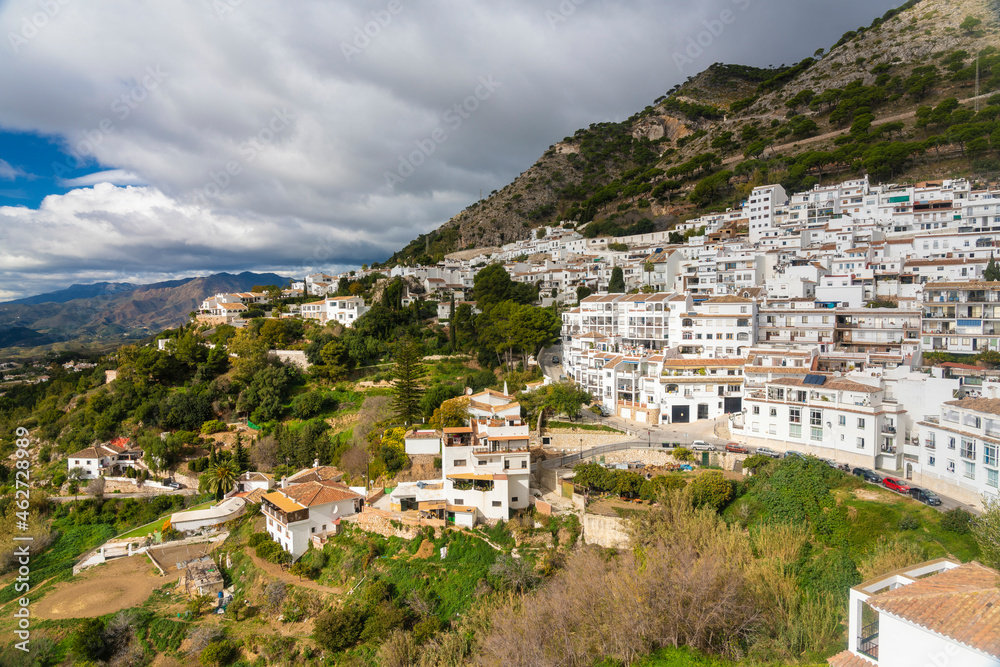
<point x="653" y="457"/>
<point x="605" y="531"/>
<point x="570" y="440"/>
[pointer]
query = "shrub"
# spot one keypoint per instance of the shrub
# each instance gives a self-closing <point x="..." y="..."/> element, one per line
<point x="683" y="454"/>
<point x="218" y="653"/>
<point x="311" y="404"/>
<point x="956" y="521"/>
<point x="337" y="629"/>
<point x="257" y="539"/>
<point x="711" y="489"/>
<point x="213" y="426"/>
<point x="908" y="522"/>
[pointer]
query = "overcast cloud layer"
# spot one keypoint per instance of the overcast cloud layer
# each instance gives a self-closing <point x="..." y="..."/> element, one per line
<point x="257" y="135"/>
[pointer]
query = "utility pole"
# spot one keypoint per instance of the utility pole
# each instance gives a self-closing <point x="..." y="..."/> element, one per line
<point x="977" y="83"/>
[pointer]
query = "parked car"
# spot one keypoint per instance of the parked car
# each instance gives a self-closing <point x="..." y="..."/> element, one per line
<point x="555" y="360"/>
<point x="925" y="496"/>
<point x="792" y="452"/>
<point x="897" y="485"/>
<point x="702" y="446"/>
<point x="172" y="484"/>
<point x="767" y="451"/>
<point x="867" y="475"/>
<point x="737" y="448"/>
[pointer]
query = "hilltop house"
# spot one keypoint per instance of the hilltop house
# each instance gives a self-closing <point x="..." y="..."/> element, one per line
<point x="340" y="309"/>
<point x="936" y="613"/>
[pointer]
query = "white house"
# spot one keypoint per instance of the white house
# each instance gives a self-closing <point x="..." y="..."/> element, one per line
<point x="937" y="613"/>
<point x="423" y="442"/>
<point x="340" y="309"/>
<point x="105" y="459"/>
<point x="194" y="521"/>
<point x="298" y="512"/>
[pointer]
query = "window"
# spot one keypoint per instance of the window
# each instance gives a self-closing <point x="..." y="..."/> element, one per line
<point x="951" y="443"/>
<point x="861" y="422"/>
<point x="816" y="434"/>
<point x="991" y="477"/>
<point x="841" y="420"/>
<point x="524" y="464"/>
<point x="513" y="499"/>
<point x="482" y="463"/>
<point x="968" y="449"/>
<point x="459" y="501"/>
<point x="951" y="466"/>
<point x="931" y="460"/>
<point x="459" y="463"/>
<point x="970" y="470"/>
<point x="756" y="409"/>
<point x="989" y="454"/>
<point x="312" y="529"/>
<point x="497" y="503"/>
<point x="774" y="412"/>
<point x="815" y="417"/>
<point x="795" y="415"/>
<point x="861" y="443"/>
<point x="795" y="430"/>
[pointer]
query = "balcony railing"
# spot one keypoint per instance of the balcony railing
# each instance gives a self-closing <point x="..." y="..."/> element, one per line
<point x="868" y="641"/>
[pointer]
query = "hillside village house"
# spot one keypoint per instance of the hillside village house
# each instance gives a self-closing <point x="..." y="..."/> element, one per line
<point x="296" y="513"/>
<point x="961" y="447"/>
<point x="108" y="459"/>
<point x="343" y="310"/>
<point x="936" y="613"/>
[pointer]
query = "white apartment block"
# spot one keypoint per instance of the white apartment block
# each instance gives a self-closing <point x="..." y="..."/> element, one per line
<point x="760" y="210"/>
<point x="961" y="317"/>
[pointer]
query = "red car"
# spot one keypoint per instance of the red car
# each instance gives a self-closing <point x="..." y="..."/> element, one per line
<point x="737" y="448"/>
<point x="894" y="484"/>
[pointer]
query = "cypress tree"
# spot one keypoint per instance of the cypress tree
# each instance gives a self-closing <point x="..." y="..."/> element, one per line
<point x="452" y="333"/>
<point x="992" y="273"/>
<point x="617" y="283"/>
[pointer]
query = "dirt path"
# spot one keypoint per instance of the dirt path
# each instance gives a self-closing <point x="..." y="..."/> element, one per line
<point x="837" y="133"/>
<point x="275" y="572"/>
<point x="116" y="585"/>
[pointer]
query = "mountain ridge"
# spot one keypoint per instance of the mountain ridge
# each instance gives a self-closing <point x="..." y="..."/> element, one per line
<point x="105" y="320"/>
<point x="647" y="170"/>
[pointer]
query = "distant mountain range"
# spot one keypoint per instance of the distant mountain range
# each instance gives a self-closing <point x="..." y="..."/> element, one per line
<point x="107" y="314"/>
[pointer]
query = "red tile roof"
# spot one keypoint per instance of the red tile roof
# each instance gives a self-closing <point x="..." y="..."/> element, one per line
<point x="848" y="659"/>
<point x="962" y="603"/>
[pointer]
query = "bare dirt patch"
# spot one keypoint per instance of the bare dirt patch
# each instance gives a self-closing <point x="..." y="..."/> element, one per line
<point x="105" y="589"/>
<point x="869" y="494"/>
<point x="426" y="549"/>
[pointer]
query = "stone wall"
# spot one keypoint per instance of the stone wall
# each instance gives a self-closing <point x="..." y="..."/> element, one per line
<point x="605" y="531"/>
<point x="654" y="457"/>
<point x="569" y="440"/>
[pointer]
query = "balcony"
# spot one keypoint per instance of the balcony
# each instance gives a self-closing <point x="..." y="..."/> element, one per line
<point x="888" y="429"/>
<point x="868" y="641"/>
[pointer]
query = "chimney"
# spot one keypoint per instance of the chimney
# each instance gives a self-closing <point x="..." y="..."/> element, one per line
<point x="284" y="482"/>
<point x="315" y="463"/>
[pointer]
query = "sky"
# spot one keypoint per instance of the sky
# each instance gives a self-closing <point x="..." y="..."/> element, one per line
<point x="148" y="141"/>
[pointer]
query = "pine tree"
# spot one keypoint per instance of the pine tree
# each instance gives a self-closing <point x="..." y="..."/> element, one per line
<point x="452" y="332"/>
<point x="407" y="372"/>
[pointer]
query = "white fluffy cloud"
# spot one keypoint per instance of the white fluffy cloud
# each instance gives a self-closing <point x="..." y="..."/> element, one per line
<point x="264" y="130"/>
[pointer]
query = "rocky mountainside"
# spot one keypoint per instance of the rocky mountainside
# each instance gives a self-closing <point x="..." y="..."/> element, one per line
<point x="112" y="318"/>
<point x="855" y="109"/>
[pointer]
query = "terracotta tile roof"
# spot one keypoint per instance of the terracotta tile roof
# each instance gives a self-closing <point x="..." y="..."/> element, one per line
<point x="987" y="405"/>
<point x="848" y="659"/>
<point x="671" y="363"/>
<point x="311" y="494"/>
<point x="962" y="603"/>
<point x="88" y="453"/>
<point x="319" y="474"/>
<point x="727" y="299"/>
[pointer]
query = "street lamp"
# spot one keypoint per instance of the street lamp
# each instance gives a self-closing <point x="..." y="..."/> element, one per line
<point x="581" y="450"/>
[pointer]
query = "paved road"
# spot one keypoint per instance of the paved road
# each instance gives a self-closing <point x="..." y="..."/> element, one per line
<point x="112" y="496"/>
<point x="550" y="370"/>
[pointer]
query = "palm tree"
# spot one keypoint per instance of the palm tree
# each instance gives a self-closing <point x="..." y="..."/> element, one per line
<point x="648" y="268"/>
<point x="222" y="478"/>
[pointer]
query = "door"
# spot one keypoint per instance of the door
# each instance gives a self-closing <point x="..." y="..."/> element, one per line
<point x="909" y="471"/>
<point x="703" y="411"/>
<point x="680" y="414"/>
<point x="733" y="404"/>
